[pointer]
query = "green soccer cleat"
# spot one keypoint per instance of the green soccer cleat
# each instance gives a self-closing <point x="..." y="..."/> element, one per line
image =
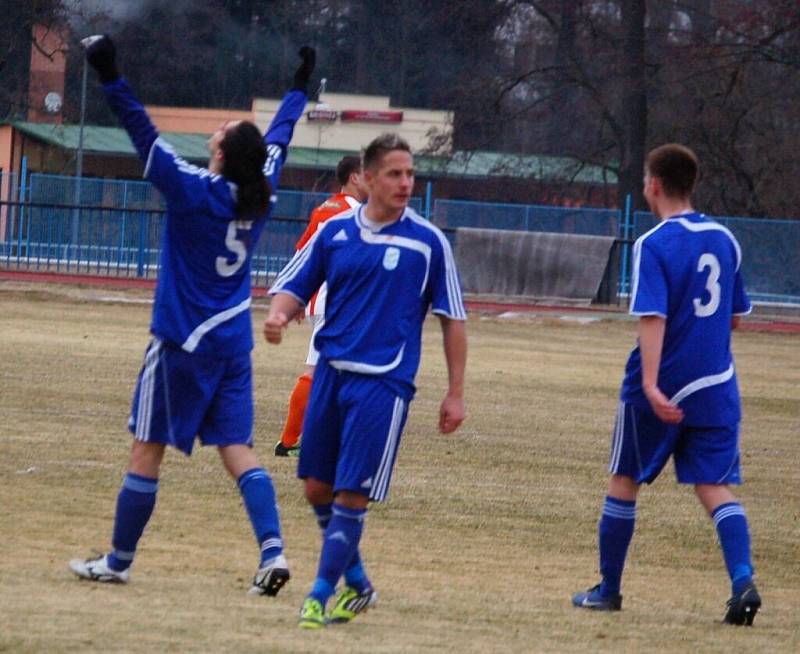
<point x="312" y="615"/>
<point x="282" y="450"/>
<point x="350" y="603"/>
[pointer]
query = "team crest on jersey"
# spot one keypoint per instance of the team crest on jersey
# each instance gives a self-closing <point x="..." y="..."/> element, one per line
<point x="391" y="258"/>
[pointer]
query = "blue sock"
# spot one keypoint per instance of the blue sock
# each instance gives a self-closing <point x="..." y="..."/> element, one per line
<point x="258" y="494"/>
<point x="338" y="547"/>
<point x="616" y="530"/>
<point x="734" y="538"/>
<point x="135" y="504"/>
<point x="355" y="575"/>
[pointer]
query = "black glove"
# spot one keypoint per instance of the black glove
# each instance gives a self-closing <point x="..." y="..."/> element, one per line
<point x="303" y="73"/>
<point x="101" y="55"/>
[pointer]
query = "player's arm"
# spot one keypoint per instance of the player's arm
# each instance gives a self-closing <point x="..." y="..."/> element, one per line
<point x="172" y="175"/>
<point x="279" y="133"/>
<point x="452" y="410"/>
<point x="448" y="304"/>
<point x="294" y="286"/>
<point x="282" y="309"/>
<point x="651" y="343"/>
<point x="101" y="55"/>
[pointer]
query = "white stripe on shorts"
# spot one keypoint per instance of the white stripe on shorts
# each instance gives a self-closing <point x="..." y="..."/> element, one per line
<point x="146" y="388"/>
<point x="381" y="482"/>
<point x="616" y="440"/>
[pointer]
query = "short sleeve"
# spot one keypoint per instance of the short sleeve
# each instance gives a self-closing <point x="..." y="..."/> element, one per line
<point x="444" y="284"/>
<point x="741" y="303"/>
<point x="649" y="288"/>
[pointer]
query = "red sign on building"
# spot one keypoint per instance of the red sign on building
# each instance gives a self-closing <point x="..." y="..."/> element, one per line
<point x="322" y="115"/>
<point x="369" y="116"/>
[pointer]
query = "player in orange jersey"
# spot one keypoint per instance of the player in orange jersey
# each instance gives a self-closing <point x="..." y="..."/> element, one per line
<point x="353" y="192"/>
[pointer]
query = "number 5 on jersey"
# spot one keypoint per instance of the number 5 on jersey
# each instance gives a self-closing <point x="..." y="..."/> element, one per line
<point x="237" y="247"/>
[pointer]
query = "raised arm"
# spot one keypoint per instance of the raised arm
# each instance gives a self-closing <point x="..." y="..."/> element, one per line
<point x="178" y="180"/>
<point x="279" y="133"/>
<point x="101" y="55"/>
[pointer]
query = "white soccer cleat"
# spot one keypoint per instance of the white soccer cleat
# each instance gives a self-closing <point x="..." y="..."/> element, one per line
<point x="97" y="569"/>
<point x="271" y="577"/>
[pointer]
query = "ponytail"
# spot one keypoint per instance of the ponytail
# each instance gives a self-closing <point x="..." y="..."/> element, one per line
<point x="245" y="155"/>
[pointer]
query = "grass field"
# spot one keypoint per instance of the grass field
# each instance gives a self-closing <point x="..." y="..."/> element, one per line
<point x="485" y="535"/>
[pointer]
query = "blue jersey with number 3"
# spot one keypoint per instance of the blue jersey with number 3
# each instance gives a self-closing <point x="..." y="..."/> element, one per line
<point x="687" y="270"/>
<point x="202" y="300"/>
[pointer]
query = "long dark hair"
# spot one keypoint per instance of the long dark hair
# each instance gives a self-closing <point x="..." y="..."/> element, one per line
<point x="245" y="155"/>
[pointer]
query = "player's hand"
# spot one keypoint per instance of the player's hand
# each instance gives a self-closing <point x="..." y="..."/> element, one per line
<point x="274" y="326"/>
<point x="102" y="56"/>
<point x="666" y="411"/>
<point x="303" y="72"/>
<point x="451" y="413"/>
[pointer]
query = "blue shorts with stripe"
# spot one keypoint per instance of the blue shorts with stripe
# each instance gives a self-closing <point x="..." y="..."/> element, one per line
<point x="642" y="444"/>
<point x="351" y="431"/>
<point x="180" y="396"/>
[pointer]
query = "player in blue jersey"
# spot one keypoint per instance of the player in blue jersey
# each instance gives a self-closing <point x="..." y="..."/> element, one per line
<point x="196" y="380"/>
<point x="679" y="397"/>
<point x="385" y="266"/>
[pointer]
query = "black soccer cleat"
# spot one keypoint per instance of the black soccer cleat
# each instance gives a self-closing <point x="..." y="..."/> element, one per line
<point x="592" y="599"/>
<point x="742" y="608"/>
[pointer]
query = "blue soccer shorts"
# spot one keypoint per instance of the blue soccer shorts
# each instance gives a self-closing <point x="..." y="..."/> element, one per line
<point x="642" y="444"/>
<point x="351" y="432"/>
<point x="180" y="396"/>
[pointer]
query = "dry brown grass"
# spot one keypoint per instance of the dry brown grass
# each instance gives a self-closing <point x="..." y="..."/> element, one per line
<point x="483" y="540"/>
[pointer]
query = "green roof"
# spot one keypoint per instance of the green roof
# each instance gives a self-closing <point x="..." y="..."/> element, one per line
<point x="115" y="141"/>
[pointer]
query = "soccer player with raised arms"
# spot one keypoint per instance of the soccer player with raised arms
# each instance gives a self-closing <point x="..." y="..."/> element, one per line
<point x="385" y="266"/>
<point x="680" y="396"/>
<point x="196" y="380"/>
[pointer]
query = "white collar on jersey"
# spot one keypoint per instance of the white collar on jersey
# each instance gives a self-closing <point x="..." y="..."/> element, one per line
<point x="371" y="225"/>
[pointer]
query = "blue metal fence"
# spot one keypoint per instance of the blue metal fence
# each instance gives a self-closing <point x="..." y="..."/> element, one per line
<point x="770" y="254"/>
<point x="117" y="230"/>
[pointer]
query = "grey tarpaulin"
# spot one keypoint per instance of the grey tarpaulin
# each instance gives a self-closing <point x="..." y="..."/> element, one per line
<point x="531" y="264"/>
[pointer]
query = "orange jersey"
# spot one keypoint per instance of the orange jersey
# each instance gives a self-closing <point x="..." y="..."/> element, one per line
<point x="333" y="206"/>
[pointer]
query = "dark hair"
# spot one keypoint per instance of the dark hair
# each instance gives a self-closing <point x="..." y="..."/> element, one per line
<point x="677" y="168"/>
<point x="382" y="145"/>
<point x="245" y="155"/>
<point x="346" y="167"/>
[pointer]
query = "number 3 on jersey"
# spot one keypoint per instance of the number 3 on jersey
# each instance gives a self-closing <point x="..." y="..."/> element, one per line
<point x="236" y="246"/>
<point x="711" y="262"/>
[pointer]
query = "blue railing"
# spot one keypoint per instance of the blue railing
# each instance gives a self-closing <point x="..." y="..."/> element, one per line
<point x="770" y="249"/>
<point x="118" y="242"/>
<point x="117" y="230"/>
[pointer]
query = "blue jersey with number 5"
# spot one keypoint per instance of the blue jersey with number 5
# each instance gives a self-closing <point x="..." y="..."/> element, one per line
<point x="202" y="300"/>
<point x="687" y="270"/>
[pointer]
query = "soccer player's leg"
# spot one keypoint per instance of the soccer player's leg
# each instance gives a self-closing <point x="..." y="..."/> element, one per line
<point x="709" y="459"/>
<point x="317" y="467"/>
<point x="640" y="447"/>
<point x="228" y="425"/>
<point x="288" y="445"/>
<point x="160" y="416"/>
<point x="370" y="440"/>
